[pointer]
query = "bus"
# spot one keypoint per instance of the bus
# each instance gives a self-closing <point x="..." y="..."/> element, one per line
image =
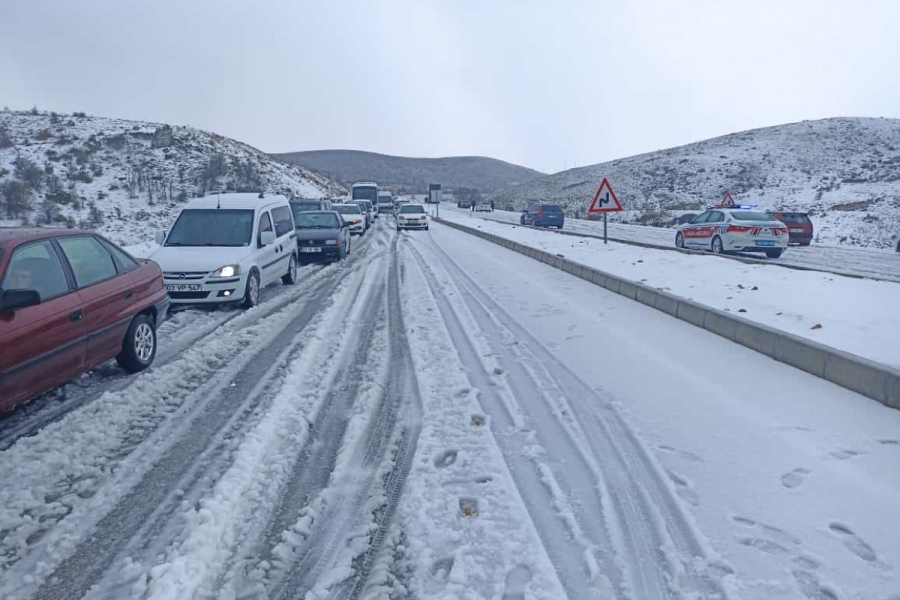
<point x="365" y="190"/>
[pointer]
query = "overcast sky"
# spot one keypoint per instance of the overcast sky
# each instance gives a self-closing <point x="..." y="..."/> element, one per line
<point x="548" y="84"/>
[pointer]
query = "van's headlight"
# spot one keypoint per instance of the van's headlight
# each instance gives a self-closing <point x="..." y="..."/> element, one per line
<point x="227" y="271"/>
<point x="332" y="242"/>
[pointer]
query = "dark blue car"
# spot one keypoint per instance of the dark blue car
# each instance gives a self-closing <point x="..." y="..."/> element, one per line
<point x="543" y="215"/>
<point x="322" y="235"/>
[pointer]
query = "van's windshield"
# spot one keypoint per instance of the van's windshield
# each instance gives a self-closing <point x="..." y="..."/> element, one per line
<point x="212" y="227"/>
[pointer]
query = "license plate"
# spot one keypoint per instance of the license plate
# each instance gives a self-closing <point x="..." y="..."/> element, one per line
<point x="796" y="231"/>
<point x="310" y="249"/>
<point x="182" y="287"/>
<point x="764" y="243"/>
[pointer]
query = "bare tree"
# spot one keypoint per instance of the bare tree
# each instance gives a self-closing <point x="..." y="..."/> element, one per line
<point x="17" y="197"/>
<point x="6" y="140"/>
<point x="30" y="172"/>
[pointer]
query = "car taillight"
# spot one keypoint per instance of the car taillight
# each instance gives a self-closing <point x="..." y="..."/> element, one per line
<point x="780" y="230"/>
<point x="540" y="212"/>
<point x="738" y="229"/>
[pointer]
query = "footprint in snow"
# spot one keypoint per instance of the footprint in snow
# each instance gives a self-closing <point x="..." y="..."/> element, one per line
<point x="805" y="562"/>
<point x="771" y="531"/>
<point x="441" y="568"/>
<point x="516" y="581"/>
<point x="811" y="587"/>
<point x="480" y="480"/>
<point x="856" y="545"/>
<point x="794" y="478"/>
<point x="684" y="489"/>
<point x="767" y="546"/>
<point x="844" y="454"/>
<point x="468" y="506"/>
<point x="445" y="459"/>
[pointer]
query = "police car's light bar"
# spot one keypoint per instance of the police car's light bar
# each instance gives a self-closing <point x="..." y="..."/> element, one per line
<point x="738" y="206"/>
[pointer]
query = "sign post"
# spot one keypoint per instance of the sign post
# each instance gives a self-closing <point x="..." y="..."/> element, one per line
<point x="605" y="202"/>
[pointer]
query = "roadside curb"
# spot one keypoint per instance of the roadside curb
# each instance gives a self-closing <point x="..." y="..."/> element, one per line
<point x="863" y="376"/>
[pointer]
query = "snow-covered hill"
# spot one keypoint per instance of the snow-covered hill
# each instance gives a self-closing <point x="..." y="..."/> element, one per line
<point x="123" y="178"/>
<point x="844" y="171"/>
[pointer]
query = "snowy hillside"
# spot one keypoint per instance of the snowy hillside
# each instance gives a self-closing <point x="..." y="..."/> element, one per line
<point x="845" y="172"/>
<point x="126" y="179"/>
<point x="412" y="174"/>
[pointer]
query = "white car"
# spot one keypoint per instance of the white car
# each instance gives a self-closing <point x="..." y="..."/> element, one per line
<point x="734" y="229"/>
<point x="412" y="216"/>
<point x="227" y="248"/>
<point x="353" y="216"/>
<point x="484" y="206"/>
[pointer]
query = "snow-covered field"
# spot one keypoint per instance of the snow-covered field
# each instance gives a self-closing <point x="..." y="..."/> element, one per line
<point x="439" y="418"/>
<point x="857" y="262"/>
<point x="855" y="315"/>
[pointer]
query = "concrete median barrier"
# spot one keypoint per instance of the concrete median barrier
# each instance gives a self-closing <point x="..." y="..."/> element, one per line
<point x="873" y="380"/>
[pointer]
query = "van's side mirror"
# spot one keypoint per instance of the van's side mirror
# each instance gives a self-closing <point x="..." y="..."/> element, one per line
<point x="13" y="300"/>
<point x="267" y="238"/>
<point x="160" y="238"/>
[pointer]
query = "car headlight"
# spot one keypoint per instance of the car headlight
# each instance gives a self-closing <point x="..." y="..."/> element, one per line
<point x="332" y="242"/>
<point x="227" y="271"/>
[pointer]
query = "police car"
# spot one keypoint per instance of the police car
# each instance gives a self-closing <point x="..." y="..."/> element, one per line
<point x="736" y="228"/>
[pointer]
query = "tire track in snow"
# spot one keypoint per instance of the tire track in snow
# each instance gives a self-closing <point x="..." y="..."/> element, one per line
<point x="660" y="552"/>
<point x="316" y="460"/>
<point x="166" y="528"/>
<point x="351" y="503"/>
<point x="224" y="416"/>
<point x="574" y="543"/>
<point x="403" y="384"/>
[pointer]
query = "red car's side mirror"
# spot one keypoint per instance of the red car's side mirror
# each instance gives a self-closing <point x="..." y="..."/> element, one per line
<point x="13" y="300"/>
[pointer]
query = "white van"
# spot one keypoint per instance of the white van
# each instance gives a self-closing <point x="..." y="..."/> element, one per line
<point x="226" y="248"/>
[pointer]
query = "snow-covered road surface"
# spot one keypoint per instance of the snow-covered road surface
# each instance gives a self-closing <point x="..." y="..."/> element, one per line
<point x="440" y="418"/>
<point x="858" y="262"/>
<point x="656" y="459"/>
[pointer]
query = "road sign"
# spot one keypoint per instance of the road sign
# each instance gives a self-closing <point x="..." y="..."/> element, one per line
<point x="728" y="200"/>
<point x="605" y="200"/>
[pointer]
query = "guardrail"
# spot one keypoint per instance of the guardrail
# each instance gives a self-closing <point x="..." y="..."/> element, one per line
<point x="876" y="381"/>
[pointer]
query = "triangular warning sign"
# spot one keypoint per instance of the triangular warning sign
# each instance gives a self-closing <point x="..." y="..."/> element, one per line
<point x="728" y="200"/>
<point x="605" y="200"/>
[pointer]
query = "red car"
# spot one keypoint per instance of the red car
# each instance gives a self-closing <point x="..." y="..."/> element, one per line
<point x="800" y="228"/>
<point x="69" y="301"/>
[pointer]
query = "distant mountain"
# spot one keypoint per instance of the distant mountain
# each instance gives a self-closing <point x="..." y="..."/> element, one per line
<point x="412" y="174"/>
<point x="844" y="171"/>
<point x="126" y="179"/>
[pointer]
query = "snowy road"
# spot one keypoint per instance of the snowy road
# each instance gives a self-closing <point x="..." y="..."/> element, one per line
<point x="645" y="470"/>
<point x="859" y="262"/>
<point x="440" y="418"/>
